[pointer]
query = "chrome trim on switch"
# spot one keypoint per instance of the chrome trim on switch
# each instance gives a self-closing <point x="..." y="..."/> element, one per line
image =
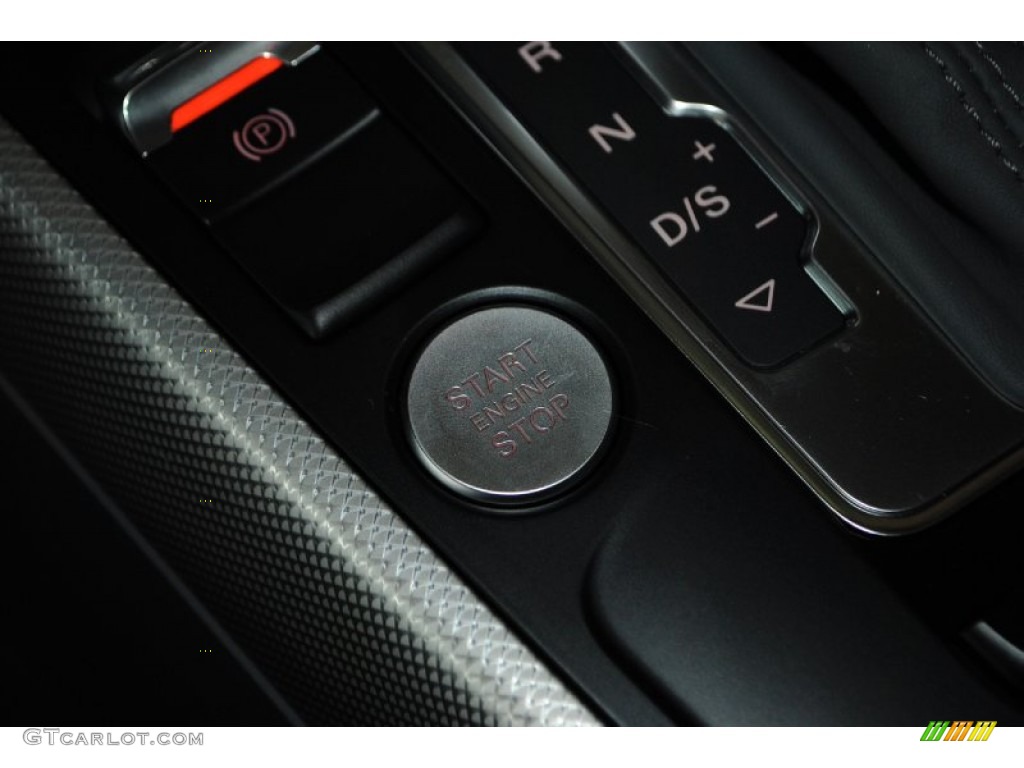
<point x="166" y="84"/>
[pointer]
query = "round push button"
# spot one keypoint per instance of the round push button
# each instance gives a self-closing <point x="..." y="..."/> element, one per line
<point x="508" y="403"/>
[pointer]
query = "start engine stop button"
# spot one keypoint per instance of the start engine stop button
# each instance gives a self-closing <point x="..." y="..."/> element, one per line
<point x="508" y="403"/>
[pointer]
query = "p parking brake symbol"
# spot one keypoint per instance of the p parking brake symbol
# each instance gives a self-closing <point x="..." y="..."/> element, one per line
<point x="264" y="134"/>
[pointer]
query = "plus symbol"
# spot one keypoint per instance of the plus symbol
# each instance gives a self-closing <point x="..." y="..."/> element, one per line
<point x="704" y="152"/>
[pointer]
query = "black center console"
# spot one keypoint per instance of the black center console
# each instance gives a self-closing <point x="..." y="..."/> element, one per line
<point x="616" y="329"/>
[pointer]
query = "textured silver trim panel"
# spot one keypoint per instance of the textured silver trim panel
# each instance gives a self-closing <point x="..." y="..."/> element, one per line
<point x="343" y="607"/>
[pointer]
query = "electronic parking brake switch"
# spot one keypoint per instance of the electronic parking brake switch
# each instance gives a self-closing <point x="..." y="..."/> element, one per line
<point x="687" y="193"/>
<point x="318" y="196"/>
<point x="240" y="143"/>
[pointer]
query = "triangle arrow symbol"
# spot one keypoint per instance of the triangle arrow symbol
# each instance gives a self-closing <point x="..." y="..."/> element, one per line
<point x="760" y="299"/>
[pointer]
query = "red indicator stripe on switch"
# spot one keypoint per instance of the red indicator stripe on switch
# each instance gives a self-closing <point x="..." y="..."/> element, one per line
<point x="222" y="91"/>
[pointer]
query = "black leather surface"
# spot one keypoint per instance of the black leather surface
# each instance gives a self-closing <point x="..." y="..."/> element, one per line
<point x="956" y="110"/>
<point x="899" y="138"/>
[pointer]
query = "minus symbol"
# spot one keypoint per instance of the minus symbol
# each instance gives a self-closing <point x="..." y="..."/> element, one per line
<point x="766" y="220"/>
